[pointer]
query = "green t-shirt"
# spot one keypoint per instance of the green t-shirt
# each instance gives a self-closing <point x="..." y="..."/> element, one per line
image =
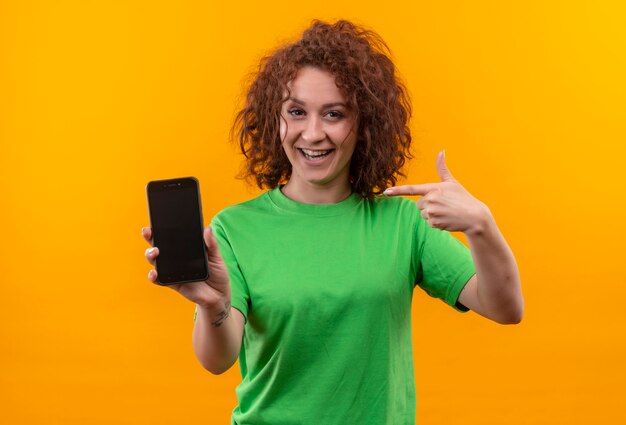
<point x="326" y="292"/>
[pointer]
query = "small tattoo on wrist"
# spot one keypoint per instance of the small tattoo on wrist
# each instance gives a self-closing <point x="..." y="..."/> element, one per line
<point x="222" y="316"/>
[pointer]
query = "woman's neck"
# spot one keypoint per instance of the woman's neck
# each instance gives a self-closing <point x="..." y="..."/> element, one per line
<point x="308" y="193"/>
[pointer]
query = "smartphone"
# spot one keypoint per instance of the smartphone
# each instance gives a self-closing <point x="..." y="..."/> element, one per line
<point x="177" y="230"/>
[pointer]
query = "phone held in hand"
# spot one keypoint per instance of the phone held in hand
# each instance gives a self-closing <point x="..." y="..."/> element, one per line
<point x="177" y="230"/>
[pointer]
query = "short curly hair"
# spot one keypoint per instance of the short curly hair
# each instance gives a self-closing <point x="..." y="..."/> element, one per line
<point x="359" y="60"/>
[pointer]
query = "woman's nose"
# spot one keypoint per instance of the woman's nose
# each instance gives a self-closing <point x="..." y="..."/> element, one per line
<point x="314" y="130"/>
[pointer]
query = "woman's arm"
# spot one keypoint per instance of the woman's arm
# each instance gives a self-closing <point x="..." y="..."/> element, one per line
<point x="218" y="328"/>
<point x="495" y="291"/>
<point x="217" y="336"/>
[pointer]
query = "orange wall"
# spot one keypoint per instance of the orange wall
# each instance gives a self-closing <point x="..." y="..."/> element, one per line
<point x="97" y="98"/>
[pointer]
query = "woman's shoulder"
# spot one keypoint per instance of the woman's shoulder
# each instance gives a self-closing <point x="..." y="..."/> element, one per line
<point x="391" y="203"/>
<point x="243" y="209"/>
<point x="397" y="209"/>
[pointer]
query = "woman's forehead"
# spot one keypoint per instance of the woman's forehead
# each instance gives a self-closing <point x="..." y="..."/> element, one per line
<point x="314" y="85"/>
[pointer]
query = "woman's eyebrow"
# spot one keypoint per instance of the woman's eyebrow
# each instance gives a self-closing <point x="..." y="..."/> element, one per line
<point x="326" y="105"/>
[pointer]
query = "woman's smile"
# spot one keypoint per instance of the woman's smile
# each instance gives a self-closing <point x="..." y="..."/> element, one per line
<point x="316" y="155"/>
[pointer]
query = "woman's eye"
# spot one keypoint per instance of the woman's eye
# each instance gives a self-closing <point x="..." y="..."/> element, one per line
<point x="296" y="112"/>
<point x="335" y="114"/>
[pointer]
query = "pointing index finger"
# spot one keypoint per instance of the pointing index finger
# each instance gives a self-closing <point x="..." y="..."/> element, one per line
<point x="410" y="189"/>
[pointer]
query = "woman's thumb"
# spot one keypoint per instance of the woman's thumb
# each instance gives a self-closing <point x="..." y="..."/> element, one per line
<point x="211" y="242"/>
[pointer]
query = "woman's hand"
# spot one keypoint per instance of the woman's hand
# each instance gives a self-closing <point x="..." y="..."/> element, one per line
<point x="495" y="291"/>
<point x="207" y="293"/>
<point x="447" y="205"/>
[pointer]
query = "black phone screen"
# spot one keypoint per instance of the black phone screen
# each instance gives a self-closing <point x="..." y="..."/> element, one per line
<point x="177" y="228"/>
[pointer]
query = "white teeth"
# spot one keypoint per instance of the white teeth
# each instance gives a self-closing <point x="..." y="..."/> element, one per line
<point x="314" y="154"/>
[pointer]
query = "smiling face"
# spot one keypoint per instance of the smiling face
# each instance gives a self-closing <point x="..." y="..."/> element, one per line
<point x="318" y="132"/>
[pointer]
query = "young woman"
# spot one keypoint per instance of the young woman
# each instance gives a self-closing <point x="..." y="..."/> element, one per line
<point x="320" y="269"/>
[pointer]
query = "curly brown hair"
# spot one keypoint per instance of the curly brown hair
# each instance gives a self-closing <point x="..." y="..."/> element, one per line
<point x="359" y="60"/>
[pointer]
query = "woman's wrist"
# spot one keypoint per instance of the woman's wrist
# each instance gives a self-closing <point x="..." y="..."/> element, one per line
<point x="483" y="220"/>
<point x="217" y="312"/>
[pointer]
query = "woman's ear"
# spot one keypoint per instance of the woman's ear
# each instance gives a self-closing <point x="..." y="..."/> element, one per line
<point x="282" y="127"/>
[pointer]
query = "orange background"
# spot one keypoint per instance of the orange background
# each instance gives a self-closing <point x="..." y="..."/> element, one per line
<point x="98" y="98"/>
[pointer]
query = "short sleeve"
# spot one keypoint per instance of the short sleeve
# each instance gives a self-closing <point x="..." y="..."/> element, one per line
<point x="444" y="264"/>
<point x="240" y="296"/>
